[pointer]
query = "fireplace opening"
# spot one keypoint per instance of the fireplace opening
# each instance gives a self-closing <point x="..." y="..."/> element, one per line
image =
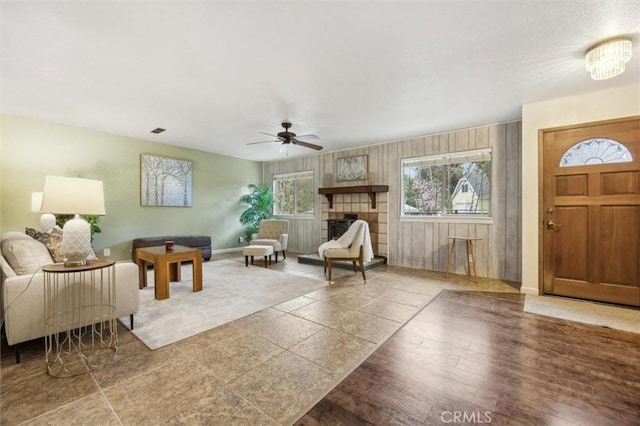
<point x="337" y="227"/>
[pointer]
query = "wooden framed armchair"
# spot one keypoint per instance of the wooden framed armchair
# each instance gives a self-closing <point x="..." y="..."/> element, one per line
<point x="354" y="246"/>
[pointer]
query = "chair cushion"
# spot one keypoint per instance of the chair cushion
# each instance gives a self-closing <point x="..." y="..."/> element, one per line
<point x="25" y="256"/>
<point x="337" y="252"/>
<point x="255" y="250"/>
<point x="267" y="242"/>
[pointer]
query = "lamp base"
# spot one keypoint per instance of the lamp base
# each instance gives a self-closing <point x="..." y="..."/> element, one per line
<point x="76" y="242"/>
<point x="47" y="222"/>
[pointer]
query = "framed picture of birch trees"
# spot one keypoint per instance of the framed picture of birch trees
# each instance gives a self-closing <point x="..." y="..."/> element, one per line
<point x="165" y="181"/>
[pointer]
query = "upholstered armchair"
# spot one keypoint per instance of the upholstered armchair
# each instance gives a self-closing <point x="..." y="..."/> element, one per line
<point x="272" y="232"/>
<point x="354" y="246"/>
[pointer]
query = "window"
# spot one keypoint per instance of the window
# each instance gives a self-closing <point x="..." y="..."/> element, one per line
<point x="596" y="151"/>
<point x="293" y="193"/>
<point x="457" y="184"/>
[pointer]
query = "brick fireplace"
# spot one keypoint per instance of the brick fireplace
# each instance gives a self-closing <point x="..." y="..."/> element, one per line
<point x="359" y="202"/>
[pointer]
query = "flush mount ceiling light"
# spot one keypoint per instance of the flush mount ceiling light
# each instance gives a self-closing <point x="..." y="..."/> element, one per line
<point x="158" y="130"/>
<point x="607" y="59"/>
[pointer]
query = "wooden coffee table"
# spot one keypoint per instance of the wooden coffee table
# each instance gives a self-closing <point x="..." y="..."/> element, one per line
<point x="166" y="265"/>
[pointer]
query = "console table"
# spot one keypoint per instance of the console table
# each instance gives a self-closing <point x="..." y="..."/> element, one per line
<point x="80" y="316"/>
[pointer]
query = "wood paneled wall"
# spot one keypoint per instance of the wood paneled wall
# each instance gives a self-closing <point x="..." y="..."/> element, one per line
<point x="422" y="244"/>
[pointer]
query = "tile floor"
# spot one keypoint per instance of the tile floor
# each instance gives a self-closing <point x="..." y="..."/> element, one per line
<point x="266" y="368"/>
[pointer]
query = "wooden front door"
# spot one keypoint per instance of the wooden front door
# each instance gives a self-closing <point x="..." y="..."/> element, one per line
<point x="591" y="211"/>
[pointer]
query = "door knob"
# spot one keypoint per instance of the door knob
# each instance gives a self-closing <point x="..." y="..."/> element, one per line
<point x="552" y="225"/>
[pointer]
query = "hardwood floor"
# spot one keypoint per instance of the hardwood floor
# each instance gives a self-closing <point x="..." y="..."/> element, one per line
<point x="477" y="358"/>
<point x="471" y="356"/>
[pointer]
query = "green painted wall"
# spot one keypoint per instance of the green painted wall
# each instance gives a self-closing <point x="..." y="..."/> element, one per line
<point x="30" y="150"/>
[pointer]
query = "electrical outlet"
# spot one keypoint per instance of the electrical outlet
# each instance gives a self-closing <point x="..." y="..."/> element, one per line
<point x="106" y="252"/>
<point x="241" y="239"/>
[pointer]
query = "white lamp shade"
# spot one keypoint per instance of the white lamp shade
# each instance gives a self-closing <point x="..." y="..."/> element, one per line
<point x="36" y="201"/>
<point x="66" y="195"/>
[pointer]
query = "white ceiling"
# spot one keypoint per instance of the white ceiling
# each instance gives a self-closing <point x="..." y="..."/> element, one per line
<point x="215" y="74"/>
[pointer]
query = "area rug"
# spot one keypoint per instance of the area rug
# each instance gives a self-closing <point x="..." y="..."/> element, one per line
<point x="229" y="291"/>
<point x="627" y="319"/>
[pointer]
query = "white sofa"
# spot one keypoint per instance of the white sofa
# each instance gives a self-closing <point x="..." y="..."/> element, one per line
<point x="22" y="289"/>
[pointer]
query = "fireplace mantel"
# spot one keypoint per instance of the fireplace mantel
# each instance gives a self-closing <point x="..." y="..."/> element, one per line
<point x="372" y="190"/>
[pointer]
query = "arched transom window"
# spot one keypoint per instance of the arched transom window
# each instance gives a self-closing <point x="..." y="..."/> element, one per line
<point x="596" y="151"/>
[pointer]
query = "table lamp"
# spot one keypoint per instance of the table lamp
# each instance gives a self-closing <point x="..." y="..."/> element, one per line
<point x="47" y="220"/>
<point x="67" y="195"/>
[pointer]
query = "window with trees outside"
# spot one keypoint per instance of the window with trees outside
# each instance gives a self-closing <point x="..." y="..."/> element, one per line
<point x="293" y="193"/>
<point x="456" y="184"/>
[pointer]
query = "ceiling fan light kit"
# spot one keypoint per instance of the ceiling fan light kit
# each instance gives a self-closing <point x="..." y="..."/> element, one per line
<point x="287" y="138"/>
<point x="284" y="149"/>
<point x="608" y="58"/>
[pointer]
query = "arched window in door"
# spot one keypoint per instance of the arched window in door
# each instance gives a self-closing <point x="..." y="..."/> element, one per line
<point x="596" y="151"/>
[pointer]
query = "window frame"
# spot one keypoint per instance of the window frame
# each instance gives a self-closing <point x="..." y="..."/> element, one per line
<point x="443" y="159"/>
<point x="303" y="174"/>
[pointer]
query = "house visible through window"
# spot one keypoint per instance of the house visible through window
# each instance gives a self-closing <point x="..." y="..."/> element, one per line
<point x="293" y="193"/>
<point x="447" y="185"/>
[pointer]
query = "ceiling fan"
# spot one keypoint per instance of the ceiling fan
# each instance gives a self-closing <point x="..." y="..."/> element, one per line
<point x="288" y="137"/>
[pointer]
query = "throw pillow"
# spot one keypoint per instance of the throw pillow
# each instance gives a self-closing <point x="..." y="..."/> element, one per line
<point x="55" y="244"/>
<point x="38" y="235"/>
<point x="52" y="240"/>
<point x="25" y="256"/>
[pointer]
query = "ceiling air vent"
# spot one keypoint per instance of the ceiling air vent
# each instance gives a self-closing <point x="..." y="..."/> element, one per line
<point x="158" y="130"/>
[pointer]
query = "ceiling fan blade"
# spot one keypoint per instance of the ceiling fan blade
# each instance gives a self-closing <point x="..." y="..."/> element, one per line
<point x="254" y="143"/>
<point x="308" y="137"/>
<point x="268" y="134"/>
<point x="306" y="144"/>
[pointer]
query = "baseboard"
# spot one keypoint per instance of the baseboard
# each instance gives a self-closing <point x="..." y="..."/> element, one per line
<point x="226" y="250"/>
<point x="529" y="290"/>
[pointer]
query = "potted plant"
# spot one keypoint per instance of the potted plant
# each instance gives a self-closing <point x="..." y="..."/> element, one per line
<point x="260" y="201"/>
